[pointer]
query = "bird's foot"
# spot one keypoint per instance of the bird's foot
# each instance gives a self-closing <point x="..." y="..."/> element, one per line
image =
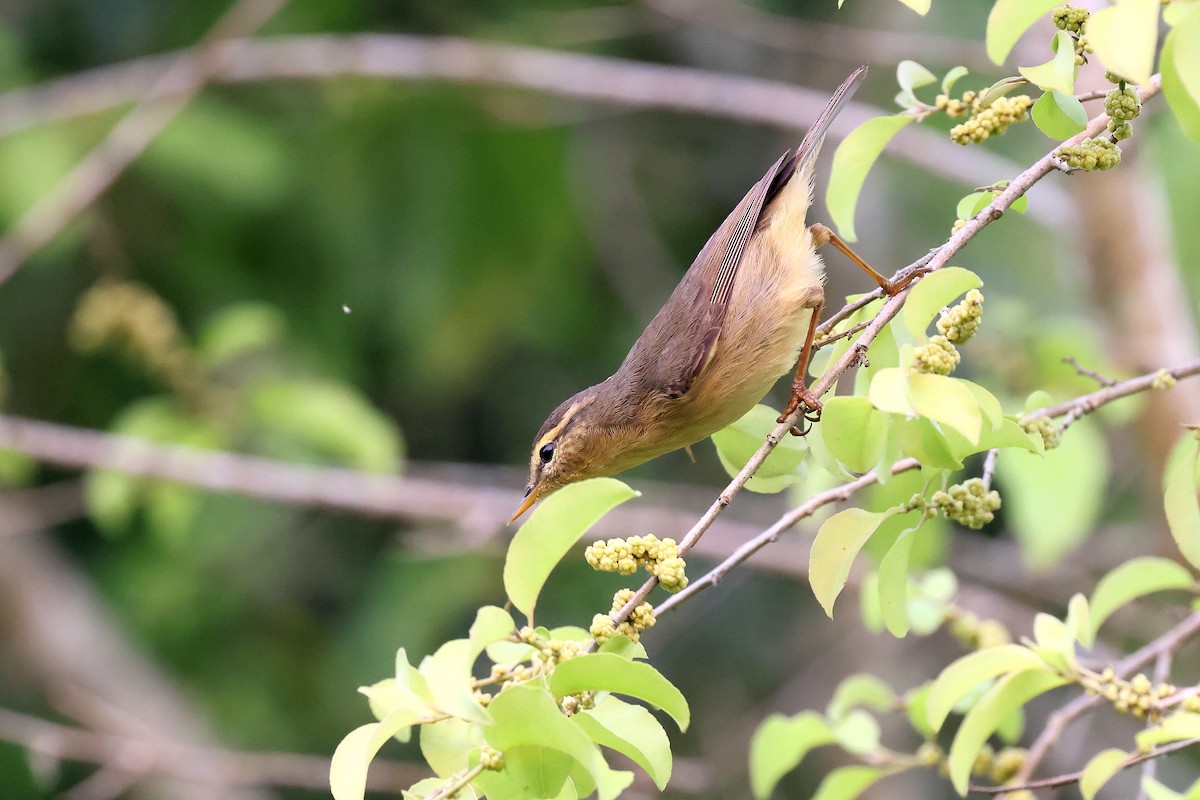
<point x="801" y="396"/>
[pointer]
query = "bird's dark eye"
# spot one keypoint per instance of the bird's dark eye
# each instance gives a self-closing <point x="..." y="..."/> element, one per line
<point x="546" y="453"/>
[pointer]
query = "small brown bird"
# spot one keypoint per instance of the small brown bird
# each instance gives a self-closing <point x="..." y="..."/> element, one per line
<point x="747" y="306"/>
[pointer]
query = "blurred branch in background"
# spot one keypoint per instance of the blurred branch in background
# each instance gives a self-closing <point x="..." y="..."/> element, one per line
<point x="166" y="96"/>
<point x="601" y="79"/>
<point x="823" y="39"/>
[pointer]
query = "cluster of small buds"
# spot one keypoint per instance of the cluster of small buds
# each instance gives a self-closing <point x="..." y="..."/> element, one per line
<point x="642" y="617"/>
<point x="1113" y="77"/>
<point x="956" y="107"/>
<point x="1069" y="18"/>
<point x="937" y="356"/>
<point x="490" y="758"/>
<point x="1123" y="104"/>
<point x="482" y="698"/>
<point x="135" y="322"/>
<point x="1137" y="696"/>
<point x="580" y="701"/>
<point x="1191" y="704"/>
<point x="1163" y="379"/>
<point x="1082" y="48"/>
<point x="1045" y="427"/>
<point x="975" y="633"/>
<point x="969" y="503"/>
<point x="929" y="755"/>
<point x="1091" y="154"/>
<point x="959" y="323"/>
<point x="991" y="120"/>
<point x="957" y="226"/>
<point x="660" y="557"/>
<point x="1120" y="130"/>
<point x="554" y="651"/>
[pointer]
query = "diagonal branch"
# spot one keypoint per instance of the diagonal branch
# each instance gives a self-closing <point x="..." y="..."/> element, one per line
<point x="163" y="99"/>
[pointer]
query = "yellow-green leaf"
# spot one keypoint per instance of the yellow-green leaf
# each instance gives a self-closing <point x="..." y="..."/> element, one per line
<point x="1059" y="116"/>
<point x="934" y="292"/>
<point x="1008" y="21"/>
<point x="1181" y="72"/>
<point x="835" y="547"/>
<point x="1131" y="580"/>
<point x="968" y="672"/>
<point x="348" y="769"/>
<point x="851" y="163"/>
<point x="847" y="783"/>
<point x="1124" y="35"/>
<point x="632" y="731"/>
<point x="780" y="744"/>
<point x="553" y="528"/>
<point x="1099" y="770"/>
<point x="893" y="584"/>
<point x="1183" y="505"/>
<point x="1180" y="725"/>
<point x="610" y="672"/>
<point x="1057" y="74"/>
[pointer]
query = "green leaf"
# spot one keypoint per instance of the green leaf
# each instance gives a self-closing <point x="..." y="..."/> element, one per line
<point x="738" y="442"/>
<point x="632" y="731"/>
<point x="893" y="584"/>
<point x="446" y="745"/>
<point x="612" y="673"/>
<point x="348" y="769"/>
<point x="911" y="75"/>
<point x="1156" y="791"/>
<point x="240" y="329"/>
<point x="916" y="708"/>
<point x="835" y="547"/>
<point x="952" y="78"/>
<point x="1099" y="769"/>
<point x="968" y="207"/>
<point x="1181" y="71"/>
<point x="932" y="293"/>
<point x="925" y="442"/>
<point x="1001" y="88"/>
<point x="847" y="783"/>
<point x="780" y="744"/>
<point x="862" y="690"/>
<point x="1183" y="504"/>
<point x="1133" y="579"/>
<point x="1059" y="116"/>
<point x="1057" y="74"/>
<point x="527" y="718"/>
<point x="1178" y="726"/>
<point x="553" y="528"/>
<point x="1008" y="21"/>
<point x="851" y="163"/>
<point x="1008" y="695"/>
<point x="448" y="674"/>
<point x="948" y="401"/>
<point x="1124" y="36"/>
<point x="858" y="732"/>
<point x="854" y="432"/>
<point x="1055" y="641"/>
<point x="1053" y="502"/>
<point x="326" y="422"/>
<point x="492" y="624"/>
<point x="968" y="672"/>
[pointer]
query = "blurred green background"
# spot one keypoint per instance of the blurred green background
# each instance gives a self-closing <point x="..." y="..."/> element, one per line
<point x="407" y="276"/>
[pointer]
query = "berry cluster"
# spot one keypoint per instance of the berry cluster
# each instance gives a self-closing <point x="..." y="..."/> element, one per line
<point x="1122" y="104"/>
<point x="549" y="653"/>
<point x="1069" y="18"/>
<point x="975" y="633"/>
<point x="970" y="503"/>
<point x="603" y="628"/>
<point x="1091" y="154"/>
<point x="1001" y="767"/>
<point x="1138" y="695"/>
<point x="1162" y="380"/>
<point x="1045" y="427"/>
<point x="958" y="324"/>
<point x="660" y="557"/>
<point x="135" y="322"/>
<point x="489" y="758"/>
<point x="990" y="120"/>
<point x="937" y="356"/>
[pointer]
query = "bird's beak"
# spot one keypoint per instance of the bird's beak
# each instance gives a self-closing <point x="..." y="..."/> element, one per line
<point x="531" y="497"/>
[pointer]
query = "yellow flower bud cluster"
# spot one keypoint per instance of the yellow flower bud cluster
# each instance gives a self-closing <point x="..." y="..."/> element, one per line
<point x="937" y="356"/>
<point x="959" y="323"/>
<point x="969" y="503"/>
<point x="1137" y="696"/>
<point x="490" y="758"/>
<point x="1069" y="18"/>
<point x="134" y="321"/>
<point x="1091" y="154"/>
<point x="603" y="628"/>
<point x="991" y="120"/>
<point x="580" y="701"/>
<point x="975" y="633"/>
<point x="1044" y="427"/>
<point x="660" y="557"/>
<point x="1001" y="767"/>
<point x="1163" y="379"/>
<point x="1123" y="104"/>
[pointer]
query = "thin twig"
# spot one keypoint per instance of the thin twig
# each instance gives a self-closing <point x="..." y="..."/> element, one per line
<point x="1066" y="780"/>
<point x="989" y="466"/>
<point x="1088" y="373"/>
<point x="1162" y="671"/>
<point x="1088" y="403"/>
<point x="189" y="762"/>
<point x="163" y="100"/>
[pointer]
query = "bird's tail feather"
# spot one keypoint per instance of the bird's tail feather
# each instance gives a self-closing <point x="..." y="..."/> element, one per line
<point x="806" y="154"/>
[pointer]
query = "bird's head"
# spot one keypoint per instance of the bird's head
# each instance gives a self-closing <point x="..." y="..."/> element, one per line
<point x="575" y="442"/>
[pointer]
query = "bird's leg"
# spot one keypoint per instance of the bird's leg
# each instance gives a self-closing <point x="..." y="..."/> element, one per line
<point x="823" y="236"/>
<point x="800" y="393"/>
